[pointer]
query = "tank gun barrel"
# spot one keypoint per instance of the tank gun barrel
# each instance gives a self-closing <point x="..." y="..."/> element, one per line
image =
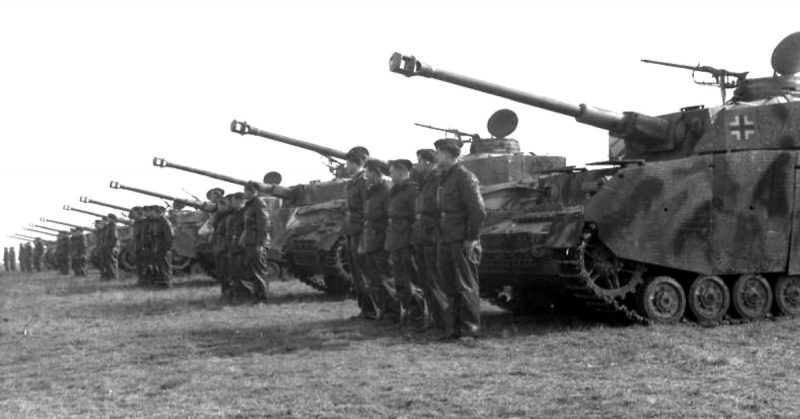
<point x="187" y="202"/>
<point x="22" y="237"/>
<point x="159" y="162"/>
<point x="269" y="189"/>
<point x="87" y="200"/>
<point x="626" y="125"/>
<point x="102" y="216"/>
<point x="33" y="230"/>
<point x="47" y="220"/>
<point x="244" y="128"/>
<point x="47" y="228"/>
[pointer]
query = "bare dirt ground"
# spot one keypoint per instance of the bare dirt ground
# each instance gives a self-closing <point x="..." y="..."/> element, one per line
<point x="84" y="348"/>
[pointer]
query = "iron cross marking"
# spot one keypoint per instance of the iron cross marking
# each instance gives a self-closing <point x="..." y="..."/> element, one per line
<point x="742" y="127"/>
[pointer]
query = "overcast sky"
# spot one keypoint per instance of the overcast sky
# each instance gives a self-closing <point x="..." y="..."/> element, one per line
<point x="91" y="93"/>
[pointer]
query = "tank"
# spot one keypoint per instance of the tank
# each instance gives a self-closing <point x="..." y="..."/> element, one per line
<point x="187" y="247"/>
<point x="308" y="240"/>
<point x="124" y="236"/>
<point x="693" y="216"/>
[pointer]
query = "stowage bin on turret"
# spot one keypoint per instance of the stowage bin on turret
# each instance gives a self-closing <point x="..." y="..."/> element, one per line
<point x="699" y="214"/>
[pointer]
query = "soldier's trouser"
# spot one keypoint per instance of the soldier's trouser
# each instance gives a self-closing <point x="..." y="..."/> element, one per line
<point x="163" y="268"/>
<point x="234" y="272"/>
<point x="428" y="268"/>
<point x="79" y="266"/>
<point x="37" y="263"/>
<point x="63" y="266"/>
<point x="459" y="281"/>
<point x="221" y="271"/>
<point x="381" y="283"/>
<point x="113" y="264"/>
<point x="364" y="298"/>
<point x="255" y="277"/>
<point x="13" y="265"/>
<point x="407" y="284"/>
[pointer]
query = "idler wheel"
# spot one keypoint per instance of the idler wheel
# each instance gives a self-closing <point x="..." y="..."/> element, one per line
<point x="662" y="300"/>
<point x="787" y="295"/>
<point x="751" y="297"/>
<point x="708" y="298"/>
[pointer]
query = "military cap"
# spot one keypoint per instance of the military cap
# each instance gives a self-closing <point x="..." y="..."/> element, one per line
<point x="375" y="166"/>
<point x="112" y="216"/>
<point x="251" y="186"/>
<point x="403" y="163"/>
<point x="427" y="154"/>
<point x="357" y="154"/>
<point x="451" y="145"/>
<point x="237" y="195"/>
<point x="212" y="191"/>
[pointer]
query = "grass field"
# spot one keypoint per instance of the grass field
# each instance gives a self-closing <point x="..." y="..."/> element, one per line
<point x="84" y="348"/>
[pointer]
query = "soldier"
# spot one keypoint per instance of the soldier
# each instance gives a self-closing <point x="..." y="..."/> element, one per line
<point x="162" y="236"/>
<point x="77" y="248"/>
<point x="5" y="258"/>
<point x="234" y="263"/>
<point x="398" y="243"/>
<point x="136" y="240"/>
<point x="426" y="236"/>
<point x="110" y="249"/>
<point x="12" y="259"/>
<point x="99" y="246"/>
<point x="38" y="254"/>
<point x="62" y="253"/>
<point x="219" y="246"/>
<point x="356" y="194"/>
<point x="21" y="257"/>
<point x="256" y="240"/>
<point x="462" y="214"/>
<point x="28" y="260"/>
<point x="146" y="246"/>
<point x="373" y="241"/>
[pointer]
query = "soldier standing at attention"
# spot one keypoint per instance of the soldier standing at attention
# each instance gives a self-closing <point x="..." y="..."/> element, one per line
<point x="426" y="237"/>
<point x="256" y="240"/>
<point x="38" y="254"/>
<point x="462" y="215"/>
<point x="28" y="257"/>
<point x="218" y="245"/>
<point x="398" y="243"/>
<point x="146" y="246"/>
<point x="136" y="237"/>
<point x="77" y="247"/>
<point x="373" y="242"/>
<point x="111" y="259"/>
<point x="5" y="258"/>
<point x="62" y="253"/>
<point x="356" y="195"/>
<point x="162" y="236"/>
<point x="12" y="259"/>
<point x="234" y="252"/>
<point x="21" y="257"/>
<point x="99" y="246"/>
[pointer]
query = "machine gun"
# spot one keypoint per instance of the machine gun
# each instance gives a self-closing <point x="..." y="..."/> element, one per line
<point x="459" y="134"/>
<point x="723" y="79"/>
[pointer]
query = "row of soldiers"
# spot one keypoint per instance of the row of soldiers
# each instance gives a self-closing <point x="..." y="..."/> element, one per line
<point x="71" y="252"/>
<point x="152" y="244"/>
<point x="31" y="257"/>
<point x="414" y="245"/>
<point x="240" y="243"/>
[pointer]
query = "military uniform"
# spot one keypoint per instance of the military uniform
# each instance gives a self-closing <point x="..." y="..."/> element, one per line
<point x="110" y="251"/>
<point x="12" y="262"/>
<point x="38" y="254"/>
<point x="399" y="245"/>
<point x="356" y="194"/>
<point x="162" y="236"/>
<point x="462" y="214"/>
<point x="373" y="241"/>
<point x="425" y="238"/>
<point x="219" y="250"/>
<point x="62" y="253"/>
<point x="77" y="248"/>
<point x="5" y="259"/>
<point x="28" y="259"/>
<point x="137" y="243"/>
<point x="256" y="242"/>
<point x="234" y="252"/>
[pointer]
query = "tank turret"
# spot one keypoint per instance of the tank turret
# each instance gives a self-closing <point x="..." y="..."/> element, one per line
<point x="87" y="200"/>
<point x="102" y="216"/>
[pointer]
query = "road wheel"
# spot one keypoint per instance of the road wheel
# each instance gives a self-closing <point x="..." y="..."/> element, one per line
<point x="751" y="297"/>
<point x="662" y="300"/>
<point x="708" y="298"/>
<point x="787" y="295"/>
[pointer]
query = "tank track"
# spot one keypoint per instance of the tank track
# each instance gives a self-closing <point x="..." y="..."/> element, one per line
<point x="572" y="269"/>
<point x="335" y="280"/>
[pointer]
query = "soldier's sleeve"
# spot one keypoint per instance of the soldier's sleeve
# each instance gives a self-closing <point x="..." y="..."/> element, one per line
<point x="470" y="191"/>
<point x="262" y="225"/>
